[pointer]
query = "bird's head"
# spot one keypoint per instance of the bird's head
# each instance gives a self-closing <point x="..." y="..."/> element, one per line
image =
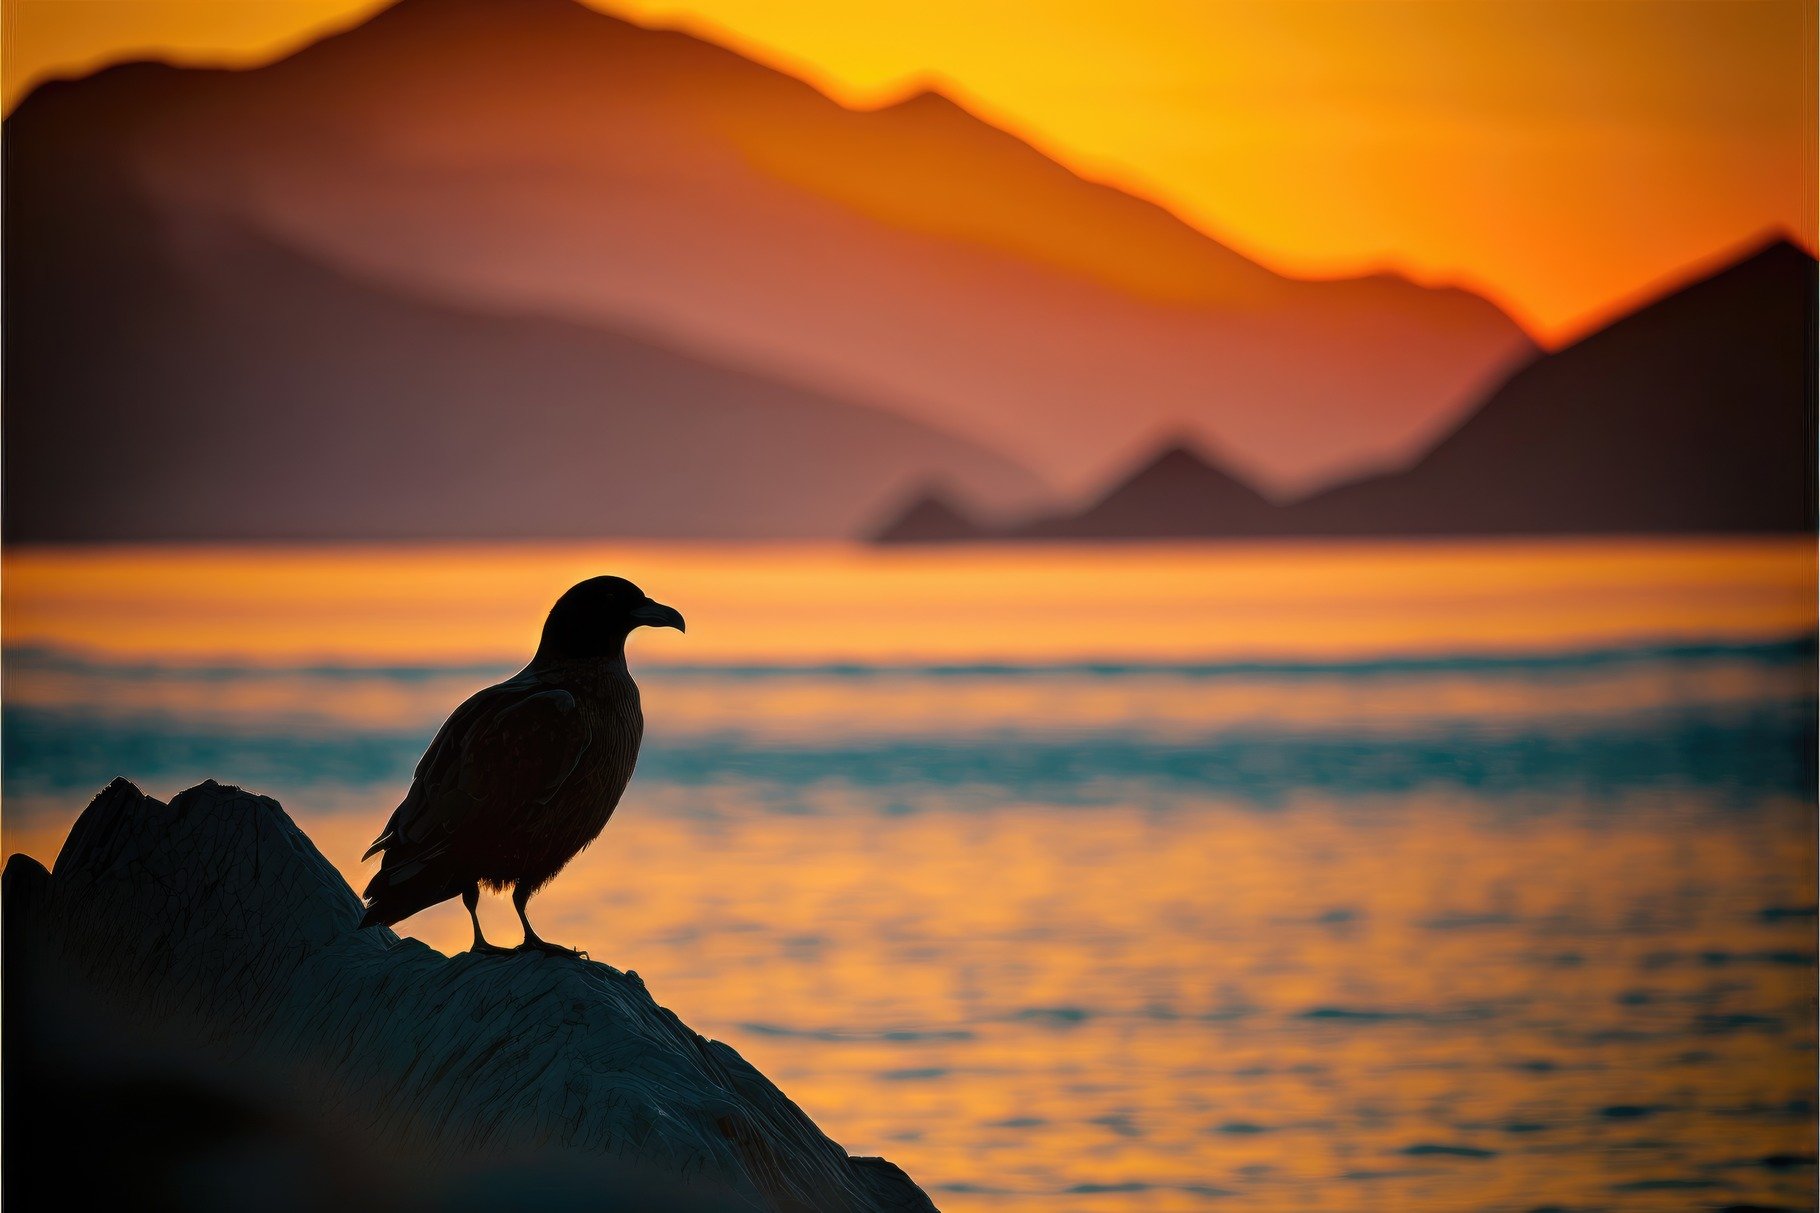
<point x="594" y="618"/>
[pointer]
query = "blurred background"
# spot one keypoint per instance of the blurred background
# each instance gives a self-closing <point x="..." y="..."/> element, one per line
<point x="1249" y="565"/>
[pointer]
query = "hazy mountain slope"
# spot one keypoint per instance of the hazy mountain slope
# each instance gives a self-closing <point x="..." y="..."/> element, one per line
<point x="169" y="375"/>
<point x="1694" y="414"/>
<point x="538" y="155"/>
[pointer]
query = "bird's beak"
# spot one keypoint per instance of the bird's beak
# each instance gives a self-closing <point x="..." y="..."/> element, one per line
<point x="651" y="614"/>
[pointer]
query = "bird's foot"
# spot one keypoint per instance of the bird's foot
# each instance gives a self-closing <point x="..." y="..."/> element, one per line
<point x="483" y="948"/>
<point x="550" y="949"/>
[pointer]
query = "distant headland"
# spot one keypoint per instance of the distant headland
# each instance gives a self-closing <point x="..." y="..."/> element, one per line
<point x="1693" y="415"/>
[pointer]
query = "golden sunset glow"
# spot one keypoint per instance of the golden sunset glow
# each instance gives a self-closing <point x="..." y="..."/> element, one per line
<point x="1564" y="158"/>
<point x="1174" y="604"/>
<point x="785" y="604"/>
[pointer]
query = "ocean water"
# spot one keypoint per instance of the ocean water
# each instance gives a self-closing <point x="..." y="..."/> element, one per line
<point x="1427" y="879"/>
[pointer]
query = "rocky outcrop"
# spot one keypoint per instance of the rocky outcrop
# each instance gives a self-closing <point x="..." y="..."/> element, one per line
<point x="207" y="948"/>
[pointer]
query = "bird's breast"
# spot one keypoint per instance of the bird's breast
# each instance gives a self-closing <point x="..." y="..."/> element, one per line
<point x="616" y="726"/>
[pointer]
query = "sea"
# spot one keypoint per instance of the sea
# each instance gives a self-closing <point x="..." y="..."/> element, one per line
<point x="1368" y="876"/>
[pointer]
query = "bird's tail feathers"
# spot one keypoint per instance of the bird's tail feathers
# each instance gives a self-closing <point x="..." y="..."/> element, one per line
<point x="397" y="893"/>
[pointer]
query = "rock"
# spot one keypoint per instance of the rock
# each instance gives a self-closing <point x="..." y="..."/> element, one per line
<point x="208" y="944"/>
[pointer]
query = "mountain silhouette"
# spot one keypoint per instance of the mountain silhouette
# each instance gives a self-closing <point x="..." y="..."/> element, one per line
<point x="1694" y="414"/>
<point x="537" y="156"/>
<point x="172" y="375"/>
<point x="932" y="516"/>
<point x="1177" y="494"/>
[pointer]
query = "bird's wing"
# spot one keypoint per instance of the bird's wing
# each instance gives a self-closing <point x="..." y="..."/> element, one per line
<point x="509" y="746"/>
<point x="525" y="750"/>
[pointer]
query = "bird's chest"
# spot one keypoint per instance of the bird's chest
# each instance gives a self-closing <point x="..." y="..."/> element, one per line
<point x="615" y="724"/>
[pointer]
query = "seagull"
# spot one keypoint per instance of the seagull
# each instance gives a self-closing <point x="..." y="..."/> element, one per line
<point x="524" y="774"/>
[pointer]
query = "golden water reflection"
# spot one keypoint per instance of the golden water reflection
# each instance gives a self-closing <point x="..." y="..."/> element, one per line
<point x="1306" y="933"/>
<point x="1411" y="1004"/>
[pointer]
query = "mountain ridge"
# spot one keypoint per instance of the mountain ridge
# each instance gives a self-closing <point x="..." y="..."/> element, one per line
<point x="171" y="347"/>
<point x="912" y="256"/>
<point x="1693" y="414"/>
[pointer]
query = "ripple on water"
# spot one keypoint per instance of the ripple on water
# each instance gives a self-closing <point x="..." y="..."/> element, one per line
<point x="857" y="1036"/>
<point x="1431" y="1150"/>
<point x="1625" y="1111"/>
<point x="1132" y="965"/>
<point x="1056" y="1017"/>
<point x="1671" y="1184"/>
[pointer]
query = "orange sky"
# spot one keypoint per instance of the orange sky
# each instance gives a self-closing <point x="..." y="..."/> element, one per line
<point x="1560" y="155"/>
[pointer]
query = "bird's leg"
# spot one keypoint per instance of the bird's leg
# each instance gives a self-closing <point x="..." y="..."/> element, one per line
<point x="520" y="895"/>
<point x="471" y="899"/>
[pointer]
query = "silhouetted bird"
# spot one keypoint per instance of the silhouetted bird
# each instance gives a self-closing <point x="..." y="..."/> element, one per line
<point x="526" y="773"/>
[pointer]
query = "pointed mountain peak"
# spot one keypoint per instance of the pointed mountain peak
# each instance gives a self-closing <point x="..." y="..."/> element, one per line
<point x="518" y="9"/>
<point x="1176" y="493"/>
<point x="1768" y="266"/>
<point x="931" y="517"/>
<point x="1779" y="244"/>
<point x="927" y="95"/>
<point x="1181" y="471"/>
<point x="1179" y="456"/>
<point x="1776" y="251"/>
<point x="930" y="108"/>
<point x="501" y="14"/>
